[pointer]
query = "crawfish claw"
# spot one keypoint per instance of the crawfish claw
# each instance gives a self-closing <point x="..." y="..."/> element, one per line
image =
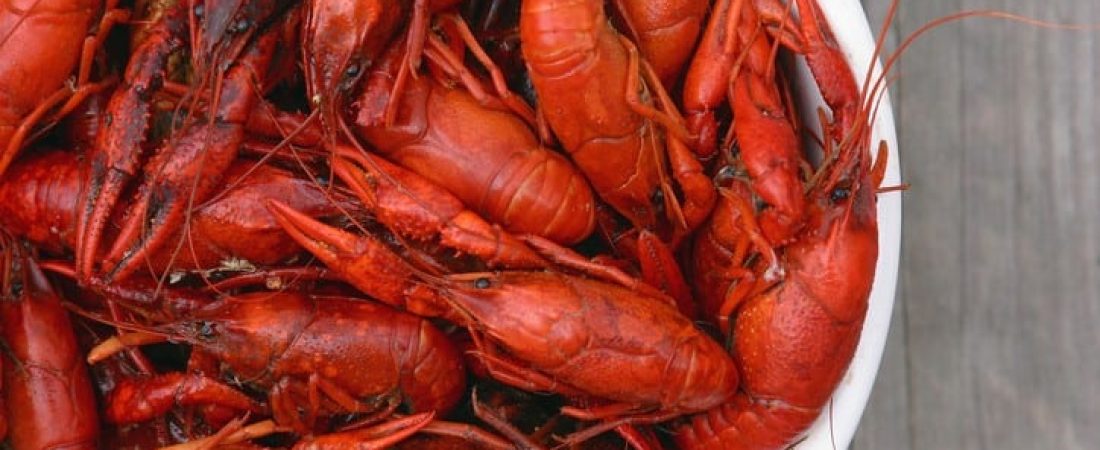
<point x="331" y="245"/>
<point x="187" y="173"/>
<point x="138" y="400"/>
<point x="102" y="198"/>
<point x="362" y="261"/>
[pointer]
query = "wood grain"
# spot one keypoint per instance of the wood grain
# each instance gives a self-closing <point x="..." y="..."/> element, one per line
<point x="995" y="335"/>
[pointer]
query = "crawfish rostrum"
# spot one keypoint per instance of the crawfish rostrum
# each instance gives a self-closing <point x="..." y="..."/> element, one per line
<point x="324" y="224"/>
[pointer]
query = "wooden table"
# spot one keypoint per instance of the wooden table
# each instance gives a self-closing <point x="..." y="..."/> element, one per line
<point x="995" y="341"/>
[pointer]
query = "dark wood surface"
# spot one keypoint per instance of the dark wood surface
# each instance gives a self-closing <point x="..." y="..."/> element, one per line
<point x="995" y="340"/>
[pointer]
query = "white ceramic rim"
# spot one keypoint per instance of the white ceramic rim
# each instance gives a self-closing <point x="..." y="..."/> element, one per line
<point x="837" y="424"/>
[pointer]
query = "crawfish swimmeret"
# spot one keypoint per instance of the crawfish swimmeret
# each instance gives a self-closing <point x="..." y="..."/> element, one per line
<point x="426" y="224"/>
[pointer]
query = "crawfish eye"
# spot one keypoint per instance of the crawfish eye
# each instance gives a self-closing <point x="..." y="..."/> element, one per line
<point x="205" y="331"/>
<point x="240" y="26"/>
<point x="352" y="70"/>
<point x="658" y="197"/>
<point x="482" y="283"/>
<point x="16" y="289"/>
<point x="727" y="172"/>
<point x="840" y="194"/>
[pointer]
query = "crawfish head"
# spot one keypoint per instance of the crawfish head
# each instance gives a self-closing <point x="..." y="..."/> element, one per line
<point x="225" y="28"/>
<point x="340" y="41"/>
<point x="584" y="332"/>
<point x="246" y="332"/>
<point x="841" y="249"/>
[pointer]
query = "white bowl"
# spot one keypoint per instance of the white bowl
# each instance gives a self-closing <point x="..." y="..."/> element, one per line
<point x="837" y="424"/>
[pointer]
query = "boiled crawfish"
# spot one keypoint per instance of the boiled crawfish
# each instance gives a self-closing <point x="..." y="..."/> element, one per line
<point x="566" y="333"/>
<point x="590" y="86"/>
<point x="406" y="221"/>
<point x="793" y="342"/>
<point x="40" y="197"/>
<point x="285" y="342"/>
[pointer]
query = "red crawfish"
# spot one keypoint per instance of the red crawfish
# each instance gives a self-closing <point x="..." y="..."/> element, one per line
<point x="570" y="334"/>
<point x="589" y="82"/>
<point x="563" y="333"/>
<point x="770" y="147"/>
<point x="794" y="341"/>
<point x="501" y="171"/>
<point x="413" y="207"/>
<point x="739" y="55"/>
<point x="47" y="392"/>
<point x="40" y="197"/>
<point x="334" y="354"/>
<point x="794" y="338"/>
<point x="741" y="35"/>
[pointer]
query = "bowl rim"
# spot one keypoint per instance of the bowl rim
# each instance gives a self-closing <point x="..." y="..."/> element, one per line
<point x="837" y="424"/>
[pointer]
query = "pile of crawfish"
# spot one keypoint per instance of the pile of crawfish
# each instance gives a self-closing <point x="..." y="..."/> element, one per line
<point x="436" y="224"/>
